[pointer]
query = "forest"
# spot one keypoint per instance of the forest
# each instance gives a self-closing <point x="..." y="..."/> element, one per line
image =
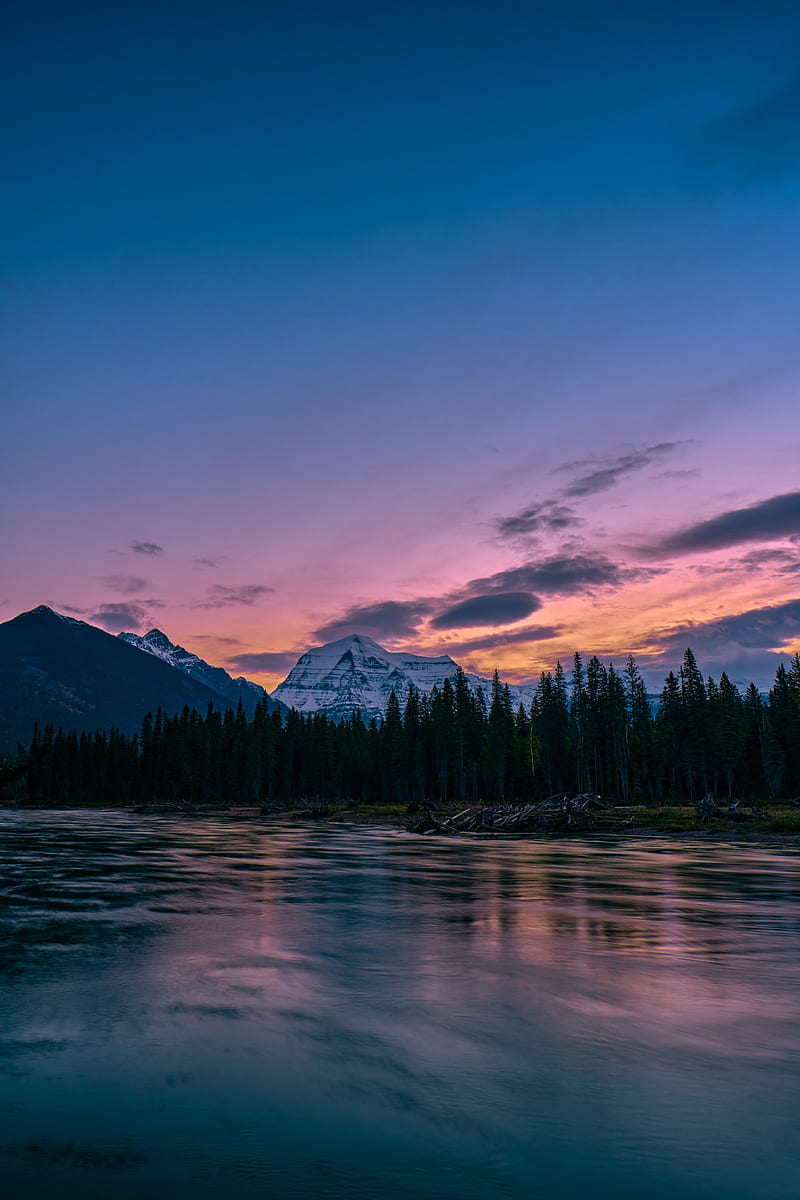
<point x="597" y="731"/>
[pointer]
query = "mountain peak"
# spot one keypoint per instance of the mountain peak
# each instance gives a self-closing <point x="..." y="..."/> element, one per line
<point x="70" y="674"/>
<point x="43" y="613"/>
<point x="156" y="638"/>
<point x="356" y="674"/>
<point x="157" y="644"/>
<point x="353" y="639"/>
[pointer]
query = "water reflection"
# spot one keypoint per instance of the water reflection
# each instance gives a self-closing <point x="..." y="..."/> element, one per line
<point x="321" y="1012"/>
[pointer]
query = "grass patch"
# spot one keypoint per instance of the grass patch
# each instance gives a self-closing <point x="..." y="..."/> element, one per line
<point x="684" y="819"/>
<point x="368" y="812"/>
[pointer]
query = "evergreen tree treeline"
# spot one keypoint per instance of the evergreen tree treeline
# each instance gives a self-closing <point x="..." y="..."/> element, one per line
<point x="596" y="731"/>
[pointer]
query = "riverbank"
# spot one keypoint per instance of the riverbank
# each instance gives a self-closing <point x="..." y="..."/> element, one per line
<point x="770" y="824"/>
<point x="779" y="826"/>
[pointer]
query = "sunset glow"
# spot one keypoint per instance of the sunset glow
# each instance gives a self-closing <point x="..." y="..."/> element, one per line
<point x="384" y="326"/>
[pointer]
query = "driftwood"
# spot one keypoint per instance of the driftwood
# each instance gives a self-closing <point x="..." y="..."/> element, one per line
<point x="559" y="811"/>
<point x="708" y="809"/>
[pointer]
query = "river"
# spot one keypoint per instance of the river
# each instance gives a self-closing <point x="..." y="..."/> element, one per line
<point x="198" y="1009"/>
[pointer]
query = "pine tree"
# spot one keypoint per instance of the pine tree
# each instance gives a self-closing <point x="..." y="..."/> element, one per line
<point x="668" y="733"/>
<point x="616" y="725"/>
<point x="784" y="726"/>
<point x="595" y="732"/>
<point x="579" y="724"/>
<point x="730" y="733"/>
<point x="394" y="751"/>
<point x="639" y="733"/>
<point x="500" y="734"/>
<point x="694" y="730"/>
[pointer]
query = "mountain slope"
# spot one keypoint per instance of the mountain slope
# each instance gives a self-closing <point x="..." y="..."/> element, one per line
<point x="62" y="671"/>
<point x="355" y="674"/>
<point x="232" y="690"/>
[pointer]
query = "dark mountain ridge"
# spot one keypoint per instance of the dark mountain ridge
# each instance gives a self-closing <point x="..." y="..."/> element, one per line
<point x="232" y="690"/>
<point x="57" y="670"/>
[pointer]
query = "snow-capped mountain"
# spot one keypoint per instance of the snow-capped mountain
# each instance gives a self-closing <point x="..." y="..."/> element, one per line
<point x="355" y="674"/>
<point x="59" y="671"/>
<point x="158" y="644"/>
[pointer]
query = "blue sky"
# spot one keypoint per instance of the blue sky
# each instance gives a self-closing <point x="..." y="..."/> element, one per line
<point x="332" y="296"/>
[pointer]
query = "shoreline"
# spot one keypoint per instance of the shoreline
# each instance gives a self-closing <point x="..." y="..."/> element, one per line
<point x="713" y="833"/>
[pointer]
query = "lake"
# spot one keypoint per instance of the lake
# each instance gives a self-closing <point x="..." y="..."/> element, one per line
<point x="208" y="1008"/>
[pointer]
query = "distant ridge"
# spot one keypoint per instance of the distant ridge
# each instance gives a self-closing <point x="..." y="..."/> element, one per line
<point x="57" y="670"/>
<point x="233" y="690"/>
<point x="355" y="674"/>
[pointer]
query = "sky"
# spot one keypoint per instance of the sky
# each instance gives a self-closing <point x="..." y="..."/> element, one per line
<point x="470" y="327"/>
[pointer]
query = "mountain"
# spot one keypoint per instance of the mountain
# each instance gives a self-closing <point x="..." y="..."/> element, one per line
<point x="54" y="669"/>
<point x="232" y="690"/>
<point x="60" y="671"/>
<point x="355" y="674"/>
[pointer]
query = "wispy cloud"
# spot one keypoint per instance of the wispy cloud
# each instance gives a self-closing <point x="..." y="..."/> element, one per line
<point x="688" y="473"/>
<point x="556" y="514"/>
<point x="780" y="562"/>
<point x="120" y="618"/>
<point x="212" y="637"/>
<point x="210" y="563"/>
<point x="151" y="548"/>
<point x="124" y="585"/>
<point x="768" y="520"/>
<point x="225" y="596"/>
<point x="606" y="474"/>
<point x="544" y="517"/>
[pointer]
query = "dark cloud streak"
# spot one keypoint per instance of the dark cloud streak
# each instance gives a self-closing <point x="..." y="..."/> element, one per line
<point x="768" y="520"/>
<point x="561" y="574"/>
<point x="554" y="515"/>
<point x="499" y="599"/>
<point x="388" y="618"/>
<point x="120" y="618"/>
<point x="743" y="645"/>
<point x="498" y="608"/>
<point x="607" y="475"/>
<point x="757" y="629"/>
<point x="547" y="517"/>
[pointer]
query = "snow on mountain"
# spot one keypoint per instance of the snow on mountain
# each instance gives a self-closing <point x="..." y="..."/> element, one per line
<point x="66" y="673"/>
<point x="355" y="674"/>
<point x="158" y="644"/>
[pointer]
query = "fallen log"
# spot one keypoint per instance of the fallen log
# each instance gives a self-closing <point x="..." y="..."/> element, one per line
<point x="556" y="811"/>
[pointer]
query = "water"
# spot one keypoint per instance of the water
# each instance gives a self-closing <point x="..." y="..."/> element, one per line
<point x="205" y="1009"/>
